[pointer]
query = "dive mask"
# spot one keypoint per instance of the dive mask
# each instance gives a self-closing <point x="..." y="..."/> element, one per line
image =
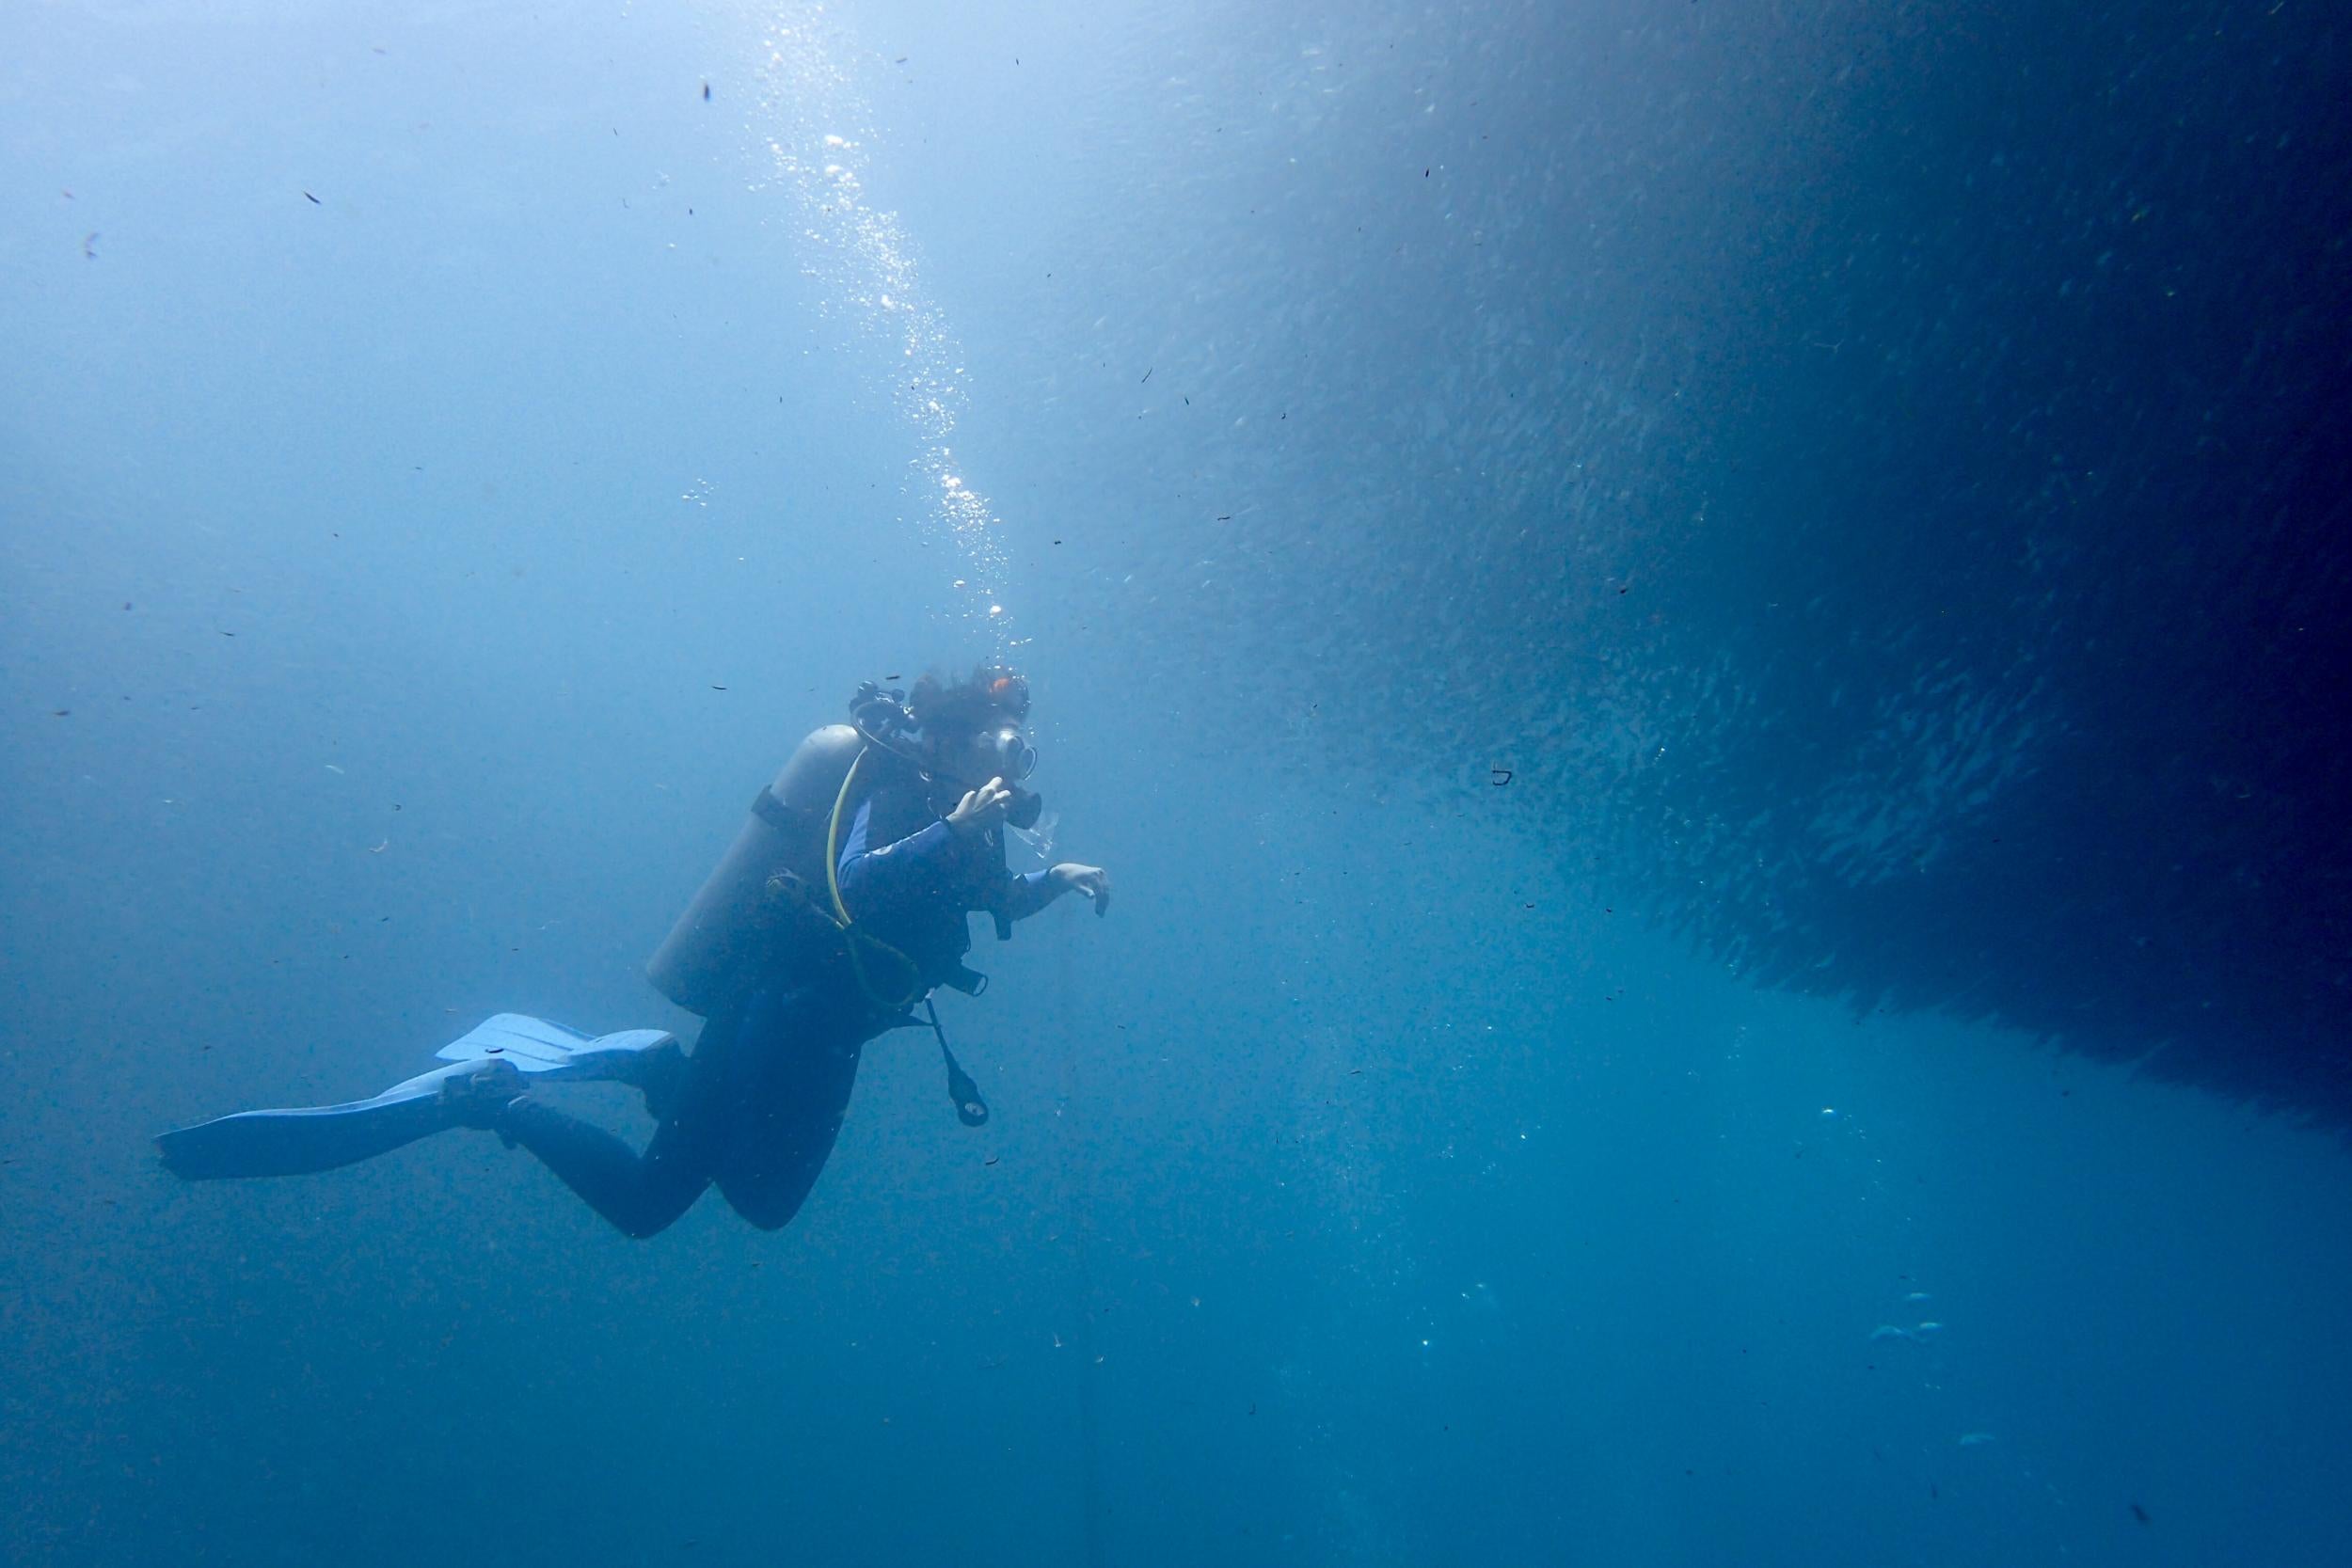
<point x="1006" y="756"/>
<point x="1012" y="759"/>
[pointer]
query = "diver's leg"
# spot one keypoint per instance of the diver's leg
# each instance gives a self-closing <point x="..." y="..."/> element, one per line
<point x="641" y="1193"/>
<point x="664" y="1079"/>
<point x="700" y="1104"/>
<point x="809" y="1049"/>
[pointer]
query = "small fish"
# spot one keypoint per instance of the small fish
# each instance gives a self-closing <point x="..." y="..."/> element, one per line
<point x="1918" y="1295"/>
<point x="1888" y="1331"/>
<point x="332" y="768"/>
<point x="2139" y="1513"/>
<point x="379" y="849"/>
<point x="705" y="93"/>
<point x="313" y="200"/>
<point x="1975" y="1439"/>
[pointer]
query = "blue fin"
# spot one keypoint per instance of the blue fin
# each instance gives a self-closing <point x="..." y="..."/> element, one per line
<point x="303" y="1139"/>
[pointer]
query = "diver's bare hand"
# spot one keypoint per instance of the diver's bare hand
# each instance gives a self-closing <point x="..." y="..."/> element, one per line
<point x="1092" y="881"/>
<point x="981" y="809"/>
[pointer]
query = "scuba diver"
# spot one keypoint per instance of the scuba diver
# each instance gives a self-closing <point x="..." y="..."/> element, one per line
<point x="841" y="907"/>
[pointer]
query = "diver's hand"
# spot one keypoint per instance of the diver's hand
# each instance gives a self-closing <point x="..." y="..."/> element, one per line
<point x="1092" y="881"/>
<point x="981" y="809"/>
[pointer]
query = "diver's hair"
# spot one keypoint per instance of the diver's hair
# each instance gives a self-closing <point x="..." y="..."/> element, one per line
<point x="994" y="693"/>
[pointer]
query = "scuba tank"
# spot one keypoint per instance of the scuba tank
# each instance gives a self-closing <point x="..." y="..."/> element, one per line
<point x="763" y="905"/>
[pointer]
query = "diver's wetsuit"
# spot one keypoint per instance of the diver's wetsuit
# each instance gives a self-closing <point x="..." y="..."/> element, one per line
<point x="761" y="1099"/>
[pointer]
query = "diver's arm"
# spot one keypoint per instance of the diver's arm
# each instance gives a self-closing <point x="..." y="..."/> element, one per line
<point x="915" y="862"/>
<point x="1028" y="894"/>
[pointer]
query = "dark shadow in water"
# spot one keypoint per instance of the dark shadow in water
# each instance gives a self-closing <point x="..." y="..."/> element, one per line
<point x="1937" y="590"/>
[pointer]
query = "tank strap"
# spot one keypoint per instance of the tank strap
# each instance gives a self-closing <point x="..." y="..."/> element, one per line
<point x="778" y="812"/>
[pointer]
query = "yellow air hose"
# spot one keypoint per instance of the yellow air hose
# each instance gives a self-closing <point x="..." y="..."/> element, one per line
<point x="856" y="940"/>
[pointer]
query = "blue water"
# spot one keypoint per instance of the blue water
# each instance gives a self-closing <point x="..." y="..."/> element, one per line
<point x="1704" y="645"/>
